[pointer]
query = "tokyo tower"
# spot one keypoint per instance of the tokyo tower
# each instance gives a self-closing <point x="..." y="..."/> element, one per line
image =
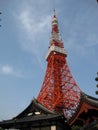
<point x="59" y="92"/>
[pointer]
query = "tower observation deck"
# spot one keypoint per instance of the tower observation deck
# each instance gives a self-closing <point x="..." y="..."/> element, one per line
<point x="59" y="91"/>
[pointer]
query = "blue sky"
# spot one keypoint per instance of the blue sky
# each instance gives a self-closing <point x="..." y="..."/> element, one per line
<point x="24" y="41"/>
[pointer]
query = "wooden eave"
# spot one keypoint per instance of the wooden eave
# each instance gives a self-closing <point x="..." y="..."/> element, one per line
<point x="33" y="121"/>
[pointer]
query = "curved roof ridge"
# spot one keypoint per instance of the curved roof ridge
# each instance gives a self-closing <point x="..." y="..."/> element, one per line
<point x="89" y="99"/>
<point x="94" y="98"/>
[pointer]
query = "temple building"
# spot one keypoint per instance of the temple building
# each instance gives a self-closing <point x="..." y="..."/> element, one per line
<point x="60" y="104"/>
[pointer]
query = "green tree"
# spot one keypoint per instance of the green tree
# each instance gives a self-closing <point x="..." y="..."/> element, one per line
<point x="97" y="84"/>
<point x="75" y="127"/>
<point x="1" y="128"/>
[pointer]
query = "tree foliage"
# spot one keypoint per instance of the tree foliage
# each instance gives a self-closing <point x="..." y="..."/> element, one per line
<point x="97" y="84"/>
<point x="75" y="127"/>
<point x="1" y="128"/>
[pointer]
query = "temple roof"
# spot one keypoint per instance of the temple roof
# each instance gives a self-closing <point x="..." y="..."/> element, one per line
<point x="34" y="108"/>
<point x="87" y="109"/>
<point x="34" y="114"/>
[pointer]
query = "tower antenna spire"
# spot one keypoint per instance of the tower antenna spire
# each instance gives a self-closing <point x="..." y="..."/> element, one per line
<point x="54" y="12"/>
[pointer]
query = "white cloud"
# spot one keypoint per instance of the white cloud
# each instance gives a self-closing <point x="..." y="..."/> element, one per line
<point x="32" y="24"/>
<point x="34" y="31"/>
<point x="32" y="27"/>
<point x="9" y="70"/>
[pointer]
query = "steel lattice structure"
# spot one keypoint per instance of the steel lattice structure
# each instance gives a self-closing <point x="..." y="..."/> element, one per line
<point x="59" y="91"/>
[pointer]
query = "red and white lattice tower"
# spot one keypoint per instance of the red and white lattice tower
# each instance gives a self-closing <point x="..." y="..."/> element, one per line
<point x="59" y="91"/>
